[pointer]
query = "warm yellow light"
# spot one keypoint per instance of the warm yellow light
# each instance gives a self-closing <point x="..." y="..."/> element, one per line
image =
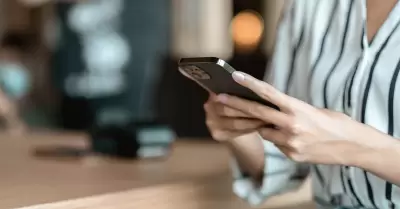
<point x="247" y="29"/>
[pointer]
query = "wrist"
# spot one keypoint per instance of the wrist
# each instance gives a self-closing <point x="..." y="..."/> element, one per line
<point x="374" y="151"/>
<point x="248" y="151"/>
<point x="240" y="141"/>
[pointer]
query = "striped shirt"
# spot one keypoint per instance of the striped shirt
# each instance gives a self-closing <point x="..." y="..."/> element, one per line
<point x="323" y="56"/>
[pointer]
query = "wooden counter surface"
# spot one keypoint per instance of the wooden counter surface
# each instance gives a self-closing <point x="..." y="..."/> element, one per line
<point x="196" y="175"/>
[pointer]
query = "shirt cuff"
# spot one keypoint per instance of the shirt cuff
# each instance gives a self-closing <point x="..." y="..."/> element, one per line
<point x="278" y="171"/>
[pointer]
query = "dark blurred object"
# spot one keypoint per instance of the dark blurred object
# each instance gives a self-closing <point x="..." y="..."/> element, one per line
<point x="148" y="45"/>
<point x="136" y="140"/>
<point x="254" y="64"/>
<point x="74" y="112"/>
<point x="73" y="108"/>
<point x="146" y="25"/>
<point x="60" y="153"/>
<point x="243" y="5"/>
<point x="17" y="40"/>
<point x="115" y="117"/>
<point x="302" y="172"/>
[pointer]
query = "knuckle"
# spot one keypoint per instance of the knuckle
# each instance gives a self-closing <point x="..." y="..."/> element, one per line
<point x="225" y="111"/>
<point x="290" y="107"/>
<point x="255" y="109"/>
<point x="213" y="133"/>
<point x="266" y="92"/>
<point x="213" y="136"/>
<point x="209" y="123"/>
<point x="251" y="110"/>
<point x="217" y="135"/>
<point x="296" y="144"/>
<point x="294" y="127"/>
<point x="206" y="106"/>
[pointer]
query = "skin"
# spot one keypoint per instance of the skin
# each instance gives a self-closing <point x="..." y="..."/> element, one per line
<point x="309" y="135"/>
<point x="235" y="122"/>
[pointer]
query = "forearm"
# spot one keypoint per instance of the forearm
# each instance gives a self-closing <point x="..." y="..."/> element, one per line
<point x="249" y="153"/>
<point x="383" y="160"/>
<point x="270" y="171"/>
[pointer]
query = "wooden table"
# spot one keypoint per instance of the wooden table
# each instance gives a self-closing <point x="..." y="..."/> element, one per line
<point x="196" y="175"/>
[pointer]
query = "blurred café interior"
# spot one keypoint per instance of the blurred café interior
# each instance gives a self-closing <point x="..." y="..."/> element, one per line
<point x="100" y="117"/>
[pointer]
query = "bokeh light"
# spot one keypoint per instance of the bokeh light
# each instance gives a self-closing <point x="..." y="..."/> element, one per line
<point x="247" y="29"/>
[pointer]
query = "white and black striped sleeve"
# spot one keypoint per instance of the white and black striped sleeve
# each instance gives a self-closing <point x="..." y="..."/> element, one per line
<point x="278" y="170"/>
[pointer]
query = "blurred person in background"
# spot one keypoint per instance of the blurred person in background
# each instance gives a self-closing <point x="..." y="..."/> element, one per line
<point x="14" y="81"/>
<point x="334" y="78"/>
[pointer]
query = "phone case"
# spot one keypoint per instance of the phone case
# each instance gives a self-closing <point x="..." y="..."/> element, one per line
<point x="215" y="75"/>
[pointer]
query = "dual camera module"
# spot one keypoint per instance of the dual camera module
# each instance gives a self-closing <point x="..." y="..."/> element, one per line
<point x="196" y="72"/>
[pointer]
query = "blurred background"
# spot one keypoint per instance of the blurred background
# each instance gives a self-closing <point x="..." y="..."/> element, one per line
<point x="101" y="75"/>
<point x="95" y="62"/>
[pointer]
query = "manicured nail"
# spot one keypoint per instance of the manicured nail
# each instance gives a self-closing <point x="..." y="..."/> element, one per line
<point x="222" y="98"/>
<point x="238" y="76"/>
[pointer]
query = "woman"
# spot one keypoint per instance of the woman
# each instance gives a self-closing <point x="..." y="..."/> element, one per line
<point x="334" y="77"/>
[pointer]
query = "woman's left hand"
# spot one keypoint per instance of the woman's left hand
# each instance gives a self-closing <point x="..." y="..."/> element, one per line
<point x="302" y="132"/>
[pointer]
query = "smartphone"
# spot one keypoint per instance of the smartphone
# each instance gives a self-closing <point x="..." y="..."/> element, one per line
<point x="215" y="75"/>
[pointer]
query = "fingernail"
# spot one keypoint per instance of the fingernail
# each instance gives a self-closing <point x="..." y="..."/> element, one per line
<point x="238" y="76"/>
<point x="222" y="98"/>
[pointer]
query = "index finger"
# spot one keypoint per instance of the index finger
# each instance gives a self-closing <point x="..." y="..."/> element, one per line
<point x="257" y="110"/>
<point x="262" y="89"/>
<point x="226" y="111"/>
<point x="217" y="108"/>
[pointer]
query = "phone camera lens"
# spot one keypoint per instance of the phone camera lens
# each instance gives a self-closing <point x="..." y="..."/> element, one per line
<point x="197" y="73"/>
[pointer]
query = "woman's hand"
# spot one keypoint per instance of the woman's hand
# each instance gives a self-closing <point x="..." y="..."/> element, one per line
<point x="304" y="133"/>
<point x="226" y="123"/>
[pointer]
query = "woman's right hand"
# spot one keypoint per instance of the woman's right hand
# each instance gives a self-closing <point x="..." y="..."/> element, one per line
<point x="225" y="123"/>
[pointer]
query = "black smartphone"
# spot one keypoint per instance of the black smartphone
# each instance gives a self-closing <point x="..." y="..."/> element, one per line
<point x="215" y="75"/>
